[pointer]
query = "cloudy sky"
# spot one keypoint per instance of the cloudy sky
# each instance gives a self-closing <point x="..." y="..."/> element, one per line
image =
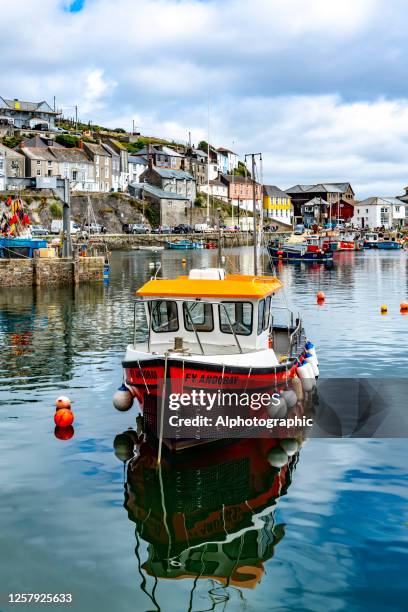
<point x="319" y="87"/>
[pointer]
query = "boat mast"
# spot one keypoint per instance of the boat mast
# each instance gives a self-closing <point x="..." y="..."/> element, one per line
<point x="254" y="208"/>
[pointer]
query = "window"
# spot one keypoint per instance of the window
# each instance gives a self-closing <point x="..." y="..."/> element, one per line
<point x="237" y="315"/>
<point x="397" y="209"/>
<point x="106" y="161"/>
<point x="366" y="210"/>
<point x="201" y="314"/>
<point x="49" y="163"/>
<point x="106" y="172"/>
<point x="97" y="159"/>
<point x="38" y="172"/>
<point x="164" y="316"/>
<point x="267" y="312"/>
<point x="261" y="312"/>
<point x="38" y="162"/>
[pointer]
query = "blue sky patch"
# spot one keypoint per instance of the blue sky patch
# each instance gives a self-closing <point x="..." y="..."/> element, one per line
<point x="76" y="6"/>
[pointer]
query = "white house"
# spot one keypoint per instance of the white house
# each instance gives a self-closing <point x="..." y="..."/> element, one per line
<point x="218" y="189"/>
<point x="227" y="160"/>
<point x="137" y="165"/>
<point x="75" y="165"/>
<point x="379" y="212"/>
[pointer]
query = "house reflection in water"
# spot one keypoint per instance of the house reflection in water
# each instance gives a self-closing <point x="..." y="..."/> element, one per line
<point x="209" y="514"/>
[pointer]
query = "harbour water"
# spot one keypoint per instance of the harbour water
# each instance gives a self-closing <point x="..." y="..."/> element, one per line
<point x="340" y="522"/>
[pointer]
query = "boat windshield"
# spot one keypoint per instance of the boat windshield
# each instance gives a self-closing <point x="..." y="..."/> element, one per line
<point x="198" y="316"/>
<point x="164" y="316"/>
<point x="236" y="315"/>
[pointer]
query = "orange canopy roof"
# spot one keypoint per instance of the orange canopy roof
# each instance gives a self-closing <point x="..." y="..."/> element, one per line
<point x="233" y="286"/>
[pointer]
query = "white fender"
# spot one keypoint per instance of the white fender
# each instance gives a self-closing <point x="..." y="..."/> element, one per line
<point x="306" y="375"/>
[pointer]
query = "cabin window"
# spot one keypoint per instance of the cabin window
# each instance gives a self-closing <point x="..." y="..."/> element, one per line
<point x="267" y="312"/>
<point x="164" y="316"/>
<point x="237" y="315"/>
<point x="198" y="316"/>
<point x="261" y="312"/>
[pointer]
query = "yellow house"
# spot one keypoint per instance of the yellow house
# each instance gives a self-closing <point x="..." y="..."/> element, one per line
<point x="277" y="205"/>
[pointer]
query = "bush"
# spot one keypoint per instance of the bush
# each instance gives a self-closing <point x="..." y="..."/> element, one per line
<point x="56" y="211"/>
<point x="66" y="140"/>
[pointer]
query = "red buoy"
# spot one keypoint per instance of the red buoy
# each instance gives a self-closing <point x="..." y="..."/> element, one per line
<point x="320" y="296"/>
<point x="64" y="417"/>
<point x="404" y="306"/>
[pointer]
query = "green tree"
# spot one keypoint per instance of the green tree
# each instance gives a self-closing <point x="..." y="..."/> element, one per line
<point x="241" y="170"/>
<point x="203" y="145"/>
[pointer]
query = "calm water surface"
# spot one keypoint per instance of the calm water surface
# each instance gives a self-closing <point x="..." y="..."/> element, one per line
<point x="337" y="536"/>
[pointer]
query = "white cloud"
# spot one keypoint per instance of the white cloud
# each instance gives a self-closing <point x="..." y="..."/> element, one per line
<point x="318" y="86"/>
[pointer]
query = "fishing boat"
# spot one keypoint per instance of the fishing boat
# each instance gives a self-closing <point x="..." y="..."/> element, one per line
<point x="216" y="332"/>
<point x="389" y="243"/>
<point x="373" y="240"/>
<point x="311" y="249"/>
<point x="182" y="244"/>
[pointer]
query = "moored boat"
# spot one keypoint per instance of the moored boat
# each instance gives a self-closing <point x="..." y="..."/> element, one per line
<point x="183" y="244"/>
<point x="312" y="249"/>
<point x="373" y="240"/>
<point x="20" y="247"/>
<point x="214" y="331"/>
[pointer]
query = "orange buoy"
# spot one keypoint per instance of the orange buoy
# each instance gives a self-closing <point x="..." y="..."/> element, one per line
<point x="320" y="296"/>
<point x="62" y="402"/>
<point x="64" y="417"/>
<point x="384" y="308"/>
<point x="64" y="433"/>
<point x="404" y="306"/>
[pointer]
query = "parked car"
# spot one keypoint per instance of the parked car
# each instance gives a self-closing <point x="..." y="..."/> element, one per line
<point x="95" y="228"/>
<point x="58" y="130"/>
<point x="57" y="226"/>
<point x="163" y="229"/>
<point x="39" y="230"/>
<point x="202" y="227"/>
<point x="182" y="229"/>
<point x="299" y="229"/>
<point x="139" y="228"/>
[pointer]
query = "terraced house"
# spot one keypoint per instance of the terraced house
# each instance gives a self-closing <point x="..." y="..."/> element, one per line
<point x="102" y="160"/>
<point x="277" y="205"/>
<point x="12" y="165"/>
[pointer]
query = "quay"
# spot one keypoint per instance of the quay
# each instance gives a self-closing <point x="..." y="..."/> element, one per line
<point x="50" y="271"/>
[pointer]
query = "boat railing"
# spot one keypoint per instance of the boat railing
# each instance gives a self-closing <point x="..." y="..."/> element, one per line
<point x="295" y="335"/>
<point x="142" y="300"/>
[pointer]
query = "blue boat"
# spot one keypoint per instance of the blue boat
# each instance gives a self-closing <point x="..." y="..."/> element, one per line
<point x="389" y="245"/>
<point x="310" y="251"/>
<point x="20" y="248"/>
<point x="182" y="245"/>
<point x="374" y="241"/>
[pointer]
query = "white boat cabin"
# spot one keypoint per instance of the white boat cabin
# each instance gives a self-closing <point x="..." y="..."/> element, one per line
<point x="212" y="313"/>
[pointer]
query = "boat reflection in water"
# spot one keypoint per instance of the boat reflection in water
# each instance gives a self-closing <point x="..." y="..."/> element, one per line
<point x="207" y="514"/>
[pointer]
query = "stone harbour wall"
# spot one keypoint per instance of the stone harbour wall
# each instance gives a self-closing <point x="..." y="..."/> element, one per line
<point x="16" y="272"/>
<point x="49" y="271"/>
<point x="53" y="271"/>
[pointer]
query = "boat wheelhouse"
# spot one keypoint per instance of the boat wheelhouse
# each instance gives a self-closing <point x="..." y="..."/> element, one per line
<point x="212" y="330"/>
